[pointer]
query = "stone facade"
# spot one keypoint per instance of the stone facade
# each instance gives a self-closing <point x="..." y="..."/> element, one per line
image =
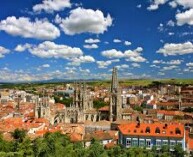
<point x="115" y="98"/>
<point x="79" y="111"/>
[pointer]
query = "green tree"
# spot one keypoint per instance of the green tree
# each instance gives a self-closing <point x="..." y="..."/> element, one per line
<point x="19" y="135"/>
<point x="96" y="150"/>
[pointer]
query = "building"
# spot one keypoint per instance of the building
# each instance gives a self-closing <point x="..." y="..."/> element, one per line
<point x="152" y="134"/>
<point x="115" y="98"/>
<point x="79" y="111"/>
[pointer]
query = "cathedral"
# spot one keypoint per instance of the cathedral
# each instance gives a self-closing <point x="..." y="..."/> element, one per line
<point x="81" y="109"/>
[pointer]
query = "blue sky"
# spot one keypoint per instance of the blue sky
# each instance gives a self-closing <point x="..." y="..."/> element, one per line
<point x="72" y="39"/>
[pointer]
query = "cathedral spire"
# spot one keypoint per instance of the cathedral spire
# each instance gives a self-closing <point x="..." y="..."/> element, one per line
<point x="114" y="83"/>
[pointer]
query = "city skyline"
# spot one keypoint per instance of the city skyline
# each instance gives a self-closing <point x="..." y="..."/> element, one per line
<point x="66" y="39"/>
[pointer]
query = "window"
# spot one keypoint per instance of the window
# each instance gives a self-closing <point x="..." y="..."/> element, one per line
<point x="172" y="144"/>
<point x="147" y="130"/>
<point x="179" y="143"/>
<point x="120" y="138"/>
<point x="165" y="142"/>
<point x="128" y="142"/>
<point x="141" y="142"/>
<point x="178" y="131"/>
<point x="148" y="143"/>
<point x="158" y="144"/>
<point x="157" y="130"/>
<point x="134" y="142"/>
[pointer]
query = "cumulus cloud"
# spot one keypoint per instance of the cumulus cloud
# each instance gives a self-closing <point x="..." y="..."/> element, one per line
<point x="92" y="41"/>
<point x="129" y="55"/>
<point x="3" y="51"/>
<point x="92" y="46"/>
<point x="105" y="64"/>
<point x="171" y="23"/>
<point x="24" y="27"/>
<point x="185" y="18"/>
<point x="113" y="53"/>
<point x="86" y="21"/>
<point x="184" y="3"/>
<point x="45" y="65"/>
<point x="50" y="6"/>
<point x="155" y="4"/>
<point x="82" y="59"/>
<point x="136" y="65"/>
<point x="117" y="41"/>
<point x="189" y="64"/>
<point x="127" y="43"/>
<point x="173" y="49"/>
<point x="171" y="62"/>
<point x="21" y="48"/>
<point x="169" y="68"/>
<point x="135" y="55"/>
<point x="49" y="49"/>
<point x="122" y="67"/>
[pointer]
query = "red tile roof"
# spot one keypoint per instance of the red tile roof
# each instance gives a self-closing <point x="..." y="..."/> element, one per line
<point x="166" y="129"/>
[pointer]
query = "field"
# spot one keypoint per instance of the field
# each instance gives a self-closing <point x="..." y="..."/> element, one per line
<point x="123" y="83"/>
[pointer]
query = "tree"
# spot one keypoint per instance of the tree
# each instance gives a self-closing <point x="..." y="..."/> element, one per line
<point x="96" y="150"/>
<point x="99" y="103"/>
<point x="178" y="151"/>
<point x="19" y="135"/>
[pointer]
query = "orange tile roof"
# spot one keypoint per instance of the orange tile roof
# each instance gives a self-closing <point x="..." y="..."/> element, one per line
<point x="171" y="113"/>
<point x="140" y="130"/>
<point x="75" y="137"/>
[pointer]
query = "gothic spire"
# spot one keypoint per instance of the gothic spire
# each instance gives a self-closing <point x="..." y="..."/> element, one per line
<point x="114" y="83"/>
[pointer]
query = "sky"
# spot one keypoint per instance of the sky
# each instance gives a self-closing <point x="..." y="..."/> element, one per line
<point x="73" y="39"/>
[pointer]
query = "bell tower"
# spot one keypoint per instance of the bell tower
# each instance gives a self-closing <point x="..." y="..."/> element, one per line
<point x="115" y="98"/>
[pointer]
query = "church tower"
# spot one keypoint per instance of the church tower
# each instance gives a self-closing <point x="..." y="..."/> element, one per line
<point x="115" y="98"/>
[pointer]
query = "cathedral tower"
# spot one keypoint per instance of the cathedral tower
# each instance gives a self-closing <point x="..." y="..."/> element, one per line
<point x="115" y="98"/>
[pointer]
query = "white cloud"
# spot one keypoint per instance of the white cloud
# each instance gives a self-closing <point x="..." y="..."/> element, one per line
<point x="189" y="64"/>
<point x="171" y="33"/>
<point x="129" y="55"/>
<point x="82" y="59"/>
<point x="113" y="53"/>
<point x="161" y="27"/>
<point x="173" y="49"/>
<point x="92" y="46"/>
<point x="135" y="55"/>
<point x="171" y="62"/>
<point x="173" y="4"/>
<point x="185" y="3"/>
<point x="139" y="6"/>
<point x="86" y="21"/>
<point x="127" y="43"/>
<point x="39" y="29"/>
<point x="185" y="18"/>
<point x="21" y="48"/>
<point x="49" y="49"/>
<point x="3" y="51"/>
<point x="136" y="65"/>
<point x="169" y="67"/>
<point x="45" y="65"/>
<point x="92" y="41"/>
<point x="58" y="19"/>
<point x="52" y="5"/>
<point x="157" y="61"/>
<point x="161" y="73"/>
<point x="154" y="66"/>
<point x="155" y="4"/>
<point x="174" y="62"/>
<point x="105" y="64"/>
<point x="122" y="66"/>
<point x="171" y="23"/>
<point x="117" y="41"/>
